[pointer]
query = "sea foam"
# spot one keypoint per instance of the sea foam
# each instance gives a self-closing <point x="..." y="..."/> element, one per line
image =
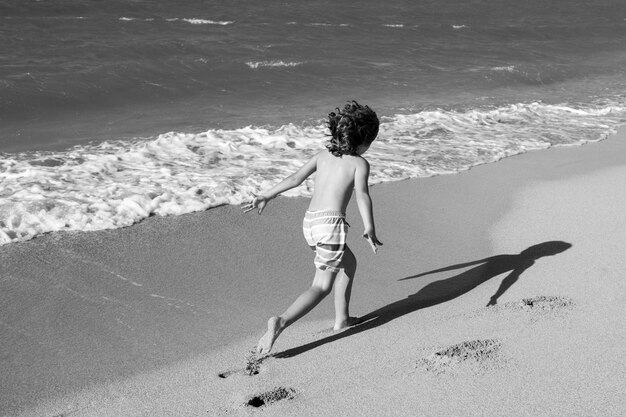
<point x="272" y="64"/>
<point x="206" y="22"/>
<point x="508" y="68"/>
<point x="118" y="183"/>
<point x="193" y="21"/>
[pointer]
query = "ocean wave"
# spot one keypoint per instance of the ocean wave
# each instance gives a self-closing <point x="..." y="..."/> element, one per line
<point x="525" y="74"/>
<point x="130" y="19"/>
<point x="394" y="25"/>
<point x="271" y="64"/>
<point x="118" y="183"/>
<point x="202" y="21"/>
<point x="499" y="68"/>
<point x="508" y="68"/>
<point x="340" y="25"/>
<point x="177" y="19"/>
<point x="459" y="27"/>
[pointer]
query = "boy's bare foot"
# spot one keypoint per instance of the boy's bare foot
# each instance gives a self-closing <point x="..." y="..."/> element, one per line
<point x="351" y="321"/>
<point x="267" y="341"/>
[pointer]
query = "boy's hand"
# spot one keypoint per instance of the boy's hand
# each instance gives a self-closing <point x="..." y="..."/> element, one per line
<point x="372" y="240"/>
<point x="257" y="202"/>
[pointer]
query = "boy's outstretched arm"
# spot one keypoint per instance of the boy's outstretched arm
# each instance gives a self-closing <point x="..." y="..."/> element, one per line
<point x="364" y="202"/>
<point x="292" y="181"/>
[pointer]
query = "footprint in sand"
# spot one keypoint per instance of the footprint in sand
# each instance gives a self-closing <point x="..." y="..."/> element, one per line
<point x="545" y="303"/>
<point x="477" y="351"/>
<point x="269" y="397"/>
<point x="253" y="366"/>
<point x="538" y="307"/>
<point x="535" y="307"/>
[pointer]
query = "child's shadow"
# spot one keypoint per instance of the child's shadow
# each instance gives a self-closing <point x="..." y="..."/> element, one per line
<point x="445" y="290"/>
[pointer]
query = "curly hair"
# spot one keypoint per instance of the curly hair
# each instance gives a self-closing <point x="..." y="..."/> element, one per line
<point x="351" y="127"/>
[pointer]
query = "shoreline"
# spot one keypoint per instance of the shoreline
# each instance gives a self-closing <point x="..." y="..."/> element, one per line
<point x="121" y="183"/>
<point x="105" y="317"/>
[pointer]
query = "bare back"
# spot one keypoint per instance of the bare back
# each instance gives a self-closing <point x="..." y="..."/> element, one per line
<point x="334" y="181"/>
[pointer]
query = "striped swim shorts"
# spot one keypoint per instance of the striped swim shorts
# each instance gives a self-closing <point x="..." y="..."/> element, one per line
<point x="325" y="232"/>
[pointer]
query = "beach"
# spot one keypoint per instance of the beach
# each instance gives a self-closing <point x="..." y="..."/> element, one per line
<point x="131" y="283"/>
<point x="498" y="291"/>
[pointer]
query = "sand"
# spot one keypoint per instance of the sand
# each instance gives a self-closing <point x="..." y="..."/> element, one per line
<point x="499" y="291"/>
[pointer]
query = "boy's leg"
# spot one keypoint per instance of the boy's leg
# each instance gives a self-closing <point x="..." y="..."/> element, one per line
<point x="321" y="287"/>
<point x="343" y="290"/>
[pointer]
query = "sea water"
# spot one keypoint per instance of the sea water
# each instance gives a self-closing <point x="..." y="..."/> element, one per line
<point x="113" y="111"/>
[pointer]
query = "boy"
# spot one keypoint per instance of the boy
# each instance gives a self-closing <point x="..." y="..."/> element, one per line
<point x="338" y="171"/>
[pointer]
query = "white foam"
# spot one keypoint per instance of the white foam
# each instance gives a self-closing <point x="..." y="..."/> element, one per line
<point x="196" y="21"/>
<point x="398" y="25"/>
<point x="459" y="27"/>
<point x="117" y="184"/>
<point x="508" y="68"/>
<point x="271" y="64"/>
<point x="130" y="19"/>
<point x="340" y="25"/>
<point x="177" y="19"/>
<point x="208" y="22"/>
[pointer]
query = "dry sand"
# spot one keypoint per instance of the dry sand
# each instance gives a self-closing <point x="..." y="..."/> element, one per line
<point x="143" y="320"/>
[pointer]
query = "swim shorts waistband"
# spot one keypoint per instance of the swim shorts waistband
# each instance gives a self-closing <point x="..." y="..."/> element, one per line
<point x="324" y="213"/>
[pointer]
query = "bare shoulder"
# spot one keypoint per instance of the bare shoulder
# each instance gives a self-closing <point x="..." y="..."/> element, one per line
<point x="361" y="174"/>
<point x="360" y="162"/>
<point x="314" y="160"/>
<point x="321" y="154"/>
<point x="353" y="162"/>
